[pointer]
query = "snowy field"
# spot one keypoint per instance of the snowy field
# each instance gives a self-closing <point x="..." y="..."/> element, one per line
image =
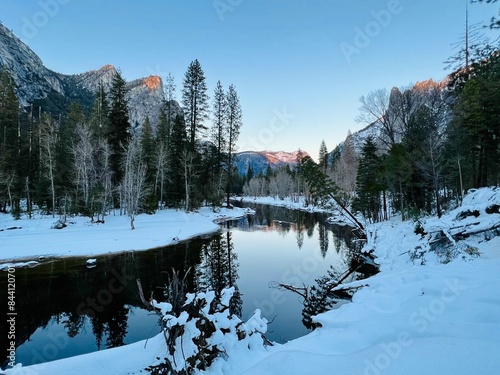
<point x="429" y="310"/>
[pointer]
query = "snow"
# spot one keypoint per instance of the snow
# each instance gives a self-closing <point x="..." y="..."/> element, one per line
<point x="421" y="314"/>
<point x="82" y="238"/>
<point x="287" y="203"/>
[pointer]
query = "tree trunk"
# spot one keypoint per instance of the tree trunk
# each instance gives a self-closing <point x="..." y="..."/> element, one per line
<point x="461" y="181"/>
<point x="186" y="186"/>
<point x="351" y="216"/>
<point x="401" y="201"/>
<point x="53" y="189"/>
<point x="438" y="205"/>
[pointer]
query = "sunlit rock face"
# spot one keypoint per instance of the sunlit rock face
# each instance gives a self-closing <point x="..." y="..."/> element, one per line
<point x="145" y="97"/>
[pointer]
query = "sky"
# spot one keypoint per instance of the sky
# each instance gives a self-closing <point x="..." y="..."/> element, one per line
<point x="299" y="67"/>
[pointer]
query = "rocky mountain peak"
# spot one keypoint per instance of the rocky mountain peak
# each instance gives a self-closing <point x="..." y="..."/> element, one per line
<point x="430" y="84"/>
<point x="153" y="82"/>
<point x="108" y="67"/>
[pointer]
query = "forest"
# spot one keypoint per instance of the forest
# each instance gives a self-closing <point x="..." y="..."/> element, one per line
<point x="90" y="163"/>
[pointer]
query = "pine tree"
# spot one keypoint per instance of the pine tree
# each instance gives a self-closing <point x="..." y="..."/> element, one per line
<point x="368" y="182"/>
<point x="147" y="151"/>
<point x="10" y="146"/>
<point x="176" y="149"/>
<point x="195" y="102"/>
<point x="163" y="130"/>
<point x="323" y="156"/>
<point x="234" y="119"/>
<point x="169" y="98"/>
<point x="219" y="139"/>
<point x="119" y="126"/>
<point x="398" y="172"/>
<point x="100" y="113"/>
<point x="477" y="113"/>
<point x="219" y="110"/>
<point x="65" y="156"/>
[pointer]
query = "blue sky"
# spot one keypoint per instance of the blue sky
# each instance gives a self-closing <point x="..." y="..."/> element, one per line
<point x="299" y="66"/>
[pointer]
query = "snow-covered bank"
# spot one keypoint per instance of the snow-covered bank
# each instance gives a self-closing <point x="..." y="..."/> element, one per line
<point x="33" y="238"/>
<point x="292" y="204"/>
<point x="419" y="315"/>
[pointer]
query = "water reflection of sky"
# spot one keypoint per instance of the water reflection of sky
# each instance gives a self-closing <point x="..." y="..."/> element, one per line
<point x="277" y="245"/>
<point x="52" y="342"/>
<point x="269" y="256"/>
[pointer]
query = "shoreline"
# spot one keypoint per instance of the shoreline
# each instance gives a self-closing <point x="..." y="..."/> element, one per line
<point x="35" y="238"/>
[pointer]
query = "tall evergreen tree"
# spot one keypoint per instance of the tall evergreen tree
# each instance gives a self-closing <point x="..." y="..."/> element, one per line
<point x="398" y="172"/>
<point x="323" y="156"/>
<point x="219" y="112"/>
<point x="119" y="126"/>
<point x="234" y="119"/>
<point x="163" y="129"/>
<point x="477" y="121"/>
<point x="147" y="151"/>
<point x="176" y="150"/>
<point x="10" y="146"/>
<point x="169" y="98"/>
<point x="65" y="156"/>
<point x="219" y="139"/>
<point x="368" y="182"/>
<point x="195" y="102"/>
<point x="100" y="112"/>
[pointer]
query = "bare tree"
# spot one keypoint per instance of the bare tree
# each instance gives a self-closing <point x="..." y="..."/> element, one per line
<point x="48" y="143"/>
<point x="252" y="187"/>
<point x="189" y="167"/>
<point x="134" y="179"/>
<point x="84" y="151"/>
<point x="161" y="163"/>
<point x="8" y="179"/>
<point x="345" y="169"/>
<point x="377" y="107"/>
<point x="431" y="164"/>
<point x="104" y="189"/>
<point x="281" y="184"/>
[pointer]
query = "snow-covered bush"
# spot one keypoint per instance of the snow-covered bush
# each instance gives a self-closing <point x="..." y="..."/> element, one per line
<point x="202" y="329"/>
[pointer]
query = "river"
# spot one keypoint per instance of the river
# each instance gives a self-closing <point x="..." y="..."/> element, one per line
<point x="68" y="309"/>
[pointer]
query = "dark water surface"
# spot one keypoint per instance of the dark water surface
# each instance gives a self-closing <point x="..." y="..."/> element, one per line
<point x="65" y="309"/>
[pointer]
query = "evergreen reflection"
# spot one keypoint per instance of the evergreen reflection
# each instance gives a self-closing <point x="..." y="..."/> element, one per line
<point x="218" y="269"/>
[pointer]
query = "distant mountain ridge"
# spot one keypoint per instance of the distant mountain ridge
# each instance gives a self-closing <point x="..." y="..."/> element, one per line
<point x="37" y="84"/>
<point x="260" y="160"/>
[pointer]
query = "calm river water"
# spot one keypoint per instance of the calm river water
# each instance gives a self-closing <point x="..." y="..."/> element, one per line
<point x="66" y="309"/>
